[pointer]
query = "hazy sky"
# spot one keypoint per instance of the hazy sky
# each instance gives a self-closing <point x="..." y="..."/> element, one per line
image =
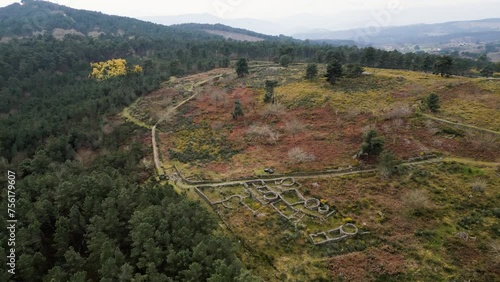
<point x="260" y="9"/>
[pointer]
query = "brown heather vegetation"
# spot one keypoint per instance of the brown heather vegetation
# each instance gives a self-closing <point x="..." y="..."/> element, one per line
<point x="408" y="222"/>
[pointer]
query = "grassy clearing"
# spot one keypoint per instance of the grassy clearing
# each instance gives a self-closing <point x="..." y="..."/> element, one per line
<point x="423" y="236"/>
<point x="405" y="241"/>
<point x="425" y="243"/>
<point x="334" y="116"/>
<point x="331" y="118"/>
<point x="470" y="112"/>
<point x="282" y="246"/>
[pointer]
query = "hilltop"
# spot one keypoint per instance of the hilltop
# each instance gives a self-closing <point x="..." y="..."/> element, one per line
<point x="34" y="18"/>
<point x="134" y="151"/>
<point x="40" y="17"/>
<point x="229" y="32"/>
<point x="323" y="213"/>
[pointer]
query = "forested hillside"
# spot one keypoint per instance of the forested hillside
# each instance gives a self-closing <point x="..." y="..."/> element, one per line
<point x="225" y="28"/>
<point x="38" y="17"/>
<point x="87" y="205"/>
<point x="86" y="208"/>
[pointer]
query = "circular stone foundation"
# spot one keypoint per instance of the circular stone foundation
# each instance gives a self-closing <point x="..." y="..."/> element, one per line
<point x="287" y="182"/>
<point x="270" y="196"/>
<point x="323" y="209"/>
<point x="349" y="225"/>
<point x="311" y="203"/>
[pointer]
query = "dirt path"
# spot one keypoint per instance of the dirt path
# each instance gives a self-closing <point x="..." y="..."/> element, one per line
<point x="472" y="162"/>
<point x="180" y="183"/>
<point x="312" y="176"/>
<point x="156" y="155"/>
<point x="336" y="174"/>
<point x="461" y="124"/>
<point x="170" y="112"/>
<point x="127" y="115"/>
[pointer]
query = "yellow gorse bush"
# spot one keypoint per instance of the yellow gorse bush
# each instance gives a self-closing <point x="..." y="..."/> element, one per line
<point x="137" y="69"/>
<point x="111" y="68"/>
<point x="201" y="143"/>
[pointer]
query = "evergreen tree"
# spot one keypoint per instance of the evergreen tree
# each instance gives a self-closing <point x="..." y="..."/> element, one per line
<point x="333" y="72"/>
<point x="443" y="66"/>
<point x="482" y="61"/>
<point x="311" y="71"/>
<point x="433" y="102"/>
<point x="387" y="163"/>
<point x="427" y="64"/>
<point x="370" y="56"/>
<point x="335" y="55"/>
<point x="285" y="60"/>
<point x="269" y="95"/>
<point x="238" y="110"/>
<point x="354" y="70"/>
<point x="487" y="71"/>
<point x="372" y="144"/>
<point x="224" y="63"/>
<point x="242" y="67"/>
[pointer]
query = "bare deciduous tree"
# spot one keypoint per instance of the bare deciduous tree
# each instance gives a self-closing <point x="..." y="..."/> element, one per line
<point x="217" y="96"/>
<point x="416" y="201"/>
<point x="263" y="132"/>
<point x="495" y="250"/>
<point x="294" y="126"/>
<point x="297" y="155"/>
<point x="399" y="111"/>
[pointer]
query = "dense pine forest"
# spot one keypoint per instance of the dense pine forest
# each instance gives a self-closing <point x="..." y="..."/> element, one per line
<point x="104" y="219"/>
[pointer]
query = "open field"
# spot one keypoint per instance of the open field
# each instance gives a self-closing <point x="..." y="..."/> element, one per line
<point x="431" y="222"/>
<point x="321" y="121"/>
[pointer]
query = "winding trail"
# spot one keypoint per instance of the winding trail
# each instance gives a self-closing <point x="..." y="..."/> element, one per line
<point x="156" y="155"/>
<point x="461" y="124"/>
<point x="319" y="174"/>
<point x="328" y="174"/>
<point x="180" y="182"/>
<point x="170" y="112"/>
<point x="472" y="162"/>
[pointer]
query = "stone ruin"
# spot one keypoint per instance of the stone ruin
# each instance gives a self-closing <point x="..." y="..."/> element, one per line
<point x="275" y="195"/>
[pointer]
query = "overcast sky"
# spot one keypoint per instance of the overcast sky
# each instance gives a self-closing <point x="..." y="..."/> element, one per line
<point x="259" y="9"/>
<point x="293" y="16"/>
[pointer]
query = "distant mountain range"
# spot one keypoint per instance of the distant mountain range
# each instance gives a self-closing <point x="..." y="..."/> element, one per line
<point x="487" y="30"/>
<point x="472" y="38"/>
<point x="344" y="19"/>
<point x="483" y="30"/>
<point x="468" y="38"/>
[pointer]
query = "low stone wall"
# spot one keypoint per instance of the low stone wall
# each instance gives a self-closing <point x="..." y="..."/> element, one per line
<point x="339" y="231"/>
<point x="299" y="174"/>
